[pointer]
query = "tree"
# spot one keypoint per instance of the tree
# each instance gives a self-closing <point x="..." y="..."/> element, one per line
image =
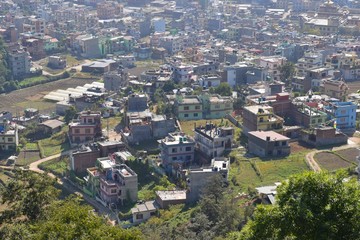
<point x="223" y="89"/>
<point x="27" y="194"/>
<point x="309" y="206"/>
<point x="70" y="114"/>
<point x="69" y="219"/>
<point x="35" y="213"/>
<point x="169" y="86"/>
<point x="287" y="71"/>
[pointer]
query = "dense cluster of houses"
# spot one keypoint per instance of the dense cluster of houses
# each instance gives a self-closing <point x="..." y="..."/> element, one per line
<point x="288" y="67"/>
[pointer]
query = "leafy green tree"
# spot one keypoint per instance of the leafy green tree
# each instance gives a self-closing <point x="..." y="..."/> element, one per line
<point x="17" y="231"/>
<point x="27" y="194"/>
<point x="287" y="71"/>
<point x="70" y="114"/>
<point x="309" y="206"/>
<point x="223" y="89"/>
<point x="69" y="219"/>
<point x="169" y="86"/>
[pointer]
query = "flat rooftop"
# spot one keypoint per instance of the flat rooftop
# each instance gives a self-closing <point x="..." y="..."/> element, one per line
<point x="171" y="195"/>
<point x="256" y="108"/>
<point x="192" y="100"/>
<point x="274" y="136"/>
<point x="145" y="207"/>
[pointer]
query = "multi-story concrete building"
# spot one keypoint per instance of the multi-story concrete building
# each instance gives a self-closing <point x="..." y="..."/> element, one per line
<point x="137" y="103"/>
<point x="9" y="139"/>
<point x="307" y="116"/>
<point x="272" y="65"/>
<point x="204" y="106"/>
<point x="268" y="144"/>
<point x="111" y="182"/>
<point x="109" y="10"/>
<point x="119" y="184"/>
<point x="210" y="80"/>
<point x="115" y="80"/>
<point x="20" y="62"/>
<point x="188" y="108"/>
<point x="86" y="128"/>
<point x="34" y="25"/>
<point x="216" y="106"/>
<point x="343" y="114"/>
<point x="211" y="141"/>
<point x="88" y="46"/>
<point x="256" y="118"/>
<point x="159" y="24"/>
<point x="197" y="179"/>
<point x="172" y="44"/>
<point x="335" y="88"/>
<point x="177" y="151"/>
<point x="310" y="60"/>
<point x="84" y="157"/>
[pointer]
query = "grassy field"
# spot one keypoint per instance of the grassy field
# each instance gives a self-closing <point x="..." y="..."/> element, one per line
<point x="252" y="172"/>
<point x="112" y="121"/>
<point x="57" y="143"/>
<point x="31" y="146"/>
<point x="188" y="126"/>
<point x="57" y="166"/>
<point x="41" y="105"/>
<point x="32" y="80"/>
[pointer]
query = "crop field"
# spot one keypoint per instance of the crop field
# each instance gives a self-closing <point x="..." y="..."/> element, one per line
<point x="18" y="100"/>
<point x="332" y="161"/>
<point x="27" y="157"/>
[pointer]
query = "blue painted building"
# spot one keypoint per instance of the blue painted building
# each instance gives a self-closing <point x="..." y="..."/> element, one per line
<point x="344" y="114"/>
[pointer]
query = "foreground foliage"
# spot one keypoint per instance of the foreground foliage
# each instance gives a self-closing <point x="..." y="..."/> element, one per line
<point x="309" y="206"/>
<point x="35" y="213"/>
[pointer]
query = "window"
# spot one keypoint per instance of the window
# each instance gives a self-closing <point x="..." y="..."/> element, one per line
<point x="276" y="143"/>
<point x="313" y="121"/>
<point x="10" y="139"/>
<point x="87" y="130"/>
<point x="197" y="107"/>
<point x="217" y="106"/>
<point x="90" y="120"/>
<point x="188" y="157"/>
<point x="174" y="158"/>
<point x="284" y="143"/>
<point x="319" y="120"/>
<point x="76" y="130"/>
<point x="227" y="105"/>
<point x="139" y="216"/>
<point x="195" y="114"/>
<point x="188" y="149"/>
<point x="186" y="108"/>
<point x="186" y="115"/>
<point x="113" y="190"/>
<point x="174" y="150"/>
